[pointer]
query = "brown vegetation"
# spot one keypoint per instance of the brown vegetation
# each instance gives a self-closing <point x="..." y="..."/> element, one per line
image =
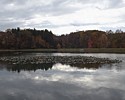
<point x="32" y="39"/>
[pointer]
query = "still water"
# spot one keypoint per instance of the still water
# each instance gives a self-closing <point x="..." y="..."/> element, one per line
<point x="64" y="82"/>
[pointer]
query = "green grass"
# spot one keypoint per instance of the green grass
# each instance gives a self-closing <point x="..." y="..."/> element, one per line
<point x="82" y="50"/>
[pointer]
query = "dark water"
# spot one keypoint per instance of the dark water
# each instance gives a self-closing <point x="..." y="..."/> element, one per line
<point x="63" y="82"/>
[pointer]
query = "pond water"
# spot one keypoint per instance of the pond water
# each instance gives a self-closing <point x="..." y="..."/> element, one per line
<point x="63" y="82"/>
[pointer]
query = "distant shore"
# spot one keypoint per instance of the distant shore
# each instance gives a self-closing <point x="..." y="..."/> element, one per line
<point x="76" y="50"/>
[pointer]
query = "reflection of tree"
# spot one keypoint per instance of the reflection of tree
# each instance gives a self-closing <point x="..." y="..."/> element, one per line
<point x="46" y="66"/>
<point x="87" y="65"/>
<point x="29" y="67"/>
<point x="97" y="66"/>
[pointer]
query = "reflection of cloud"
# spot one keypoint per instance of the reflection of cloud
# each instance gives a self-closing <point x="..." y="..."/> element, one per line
<point x="79" y="77"/>
<point x="63" y="82"/>
<point x="68" y="68"/>
<point x="61" y="67"/>
<point x="29" y="90"/>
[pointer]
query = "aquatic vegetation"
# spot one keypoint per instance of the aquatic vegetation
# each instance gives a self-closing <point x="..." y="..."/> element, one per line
<point x="56" y="59"/>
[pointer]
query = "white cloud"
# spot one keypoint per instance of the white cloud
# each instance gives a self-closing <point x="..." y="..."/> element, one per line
<point x="62" y="16"/>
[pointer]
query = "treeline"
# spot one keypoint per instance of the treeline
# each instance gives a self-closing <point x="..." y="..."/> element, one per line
<point x="33" y="39"/>
<point x="26" y="39"/>
<point x="93" y="39"/>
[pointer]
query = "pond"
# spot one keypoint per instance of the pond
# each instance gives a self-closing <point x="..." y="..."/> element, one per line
<point x="59" y="81"/>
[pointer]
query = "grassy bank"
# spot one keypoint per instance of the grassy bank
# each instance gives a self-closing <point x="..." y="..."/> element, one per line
<point x="85" y="50"/>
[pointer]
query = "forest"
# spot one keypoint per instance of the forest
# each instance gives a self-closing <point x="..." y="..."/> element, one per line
<point x="33" y="39"/>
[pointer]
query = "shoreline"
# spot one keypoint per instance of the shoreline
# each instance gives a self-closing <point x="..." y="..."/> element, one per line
<point x="75" y="50"/>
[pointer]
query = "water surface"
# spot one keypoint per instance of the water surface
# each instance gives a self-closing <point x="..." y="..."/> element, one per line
<point x="63" y="82"/>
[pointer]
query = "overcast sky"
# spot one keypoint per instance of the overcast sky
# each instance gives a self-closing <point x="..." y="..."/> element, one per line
<point x="63" y="16"/>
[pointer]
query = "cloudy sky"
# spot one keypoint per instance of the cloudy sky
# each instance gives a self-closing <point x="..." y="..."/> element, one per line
<point x="63" y="16"/>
